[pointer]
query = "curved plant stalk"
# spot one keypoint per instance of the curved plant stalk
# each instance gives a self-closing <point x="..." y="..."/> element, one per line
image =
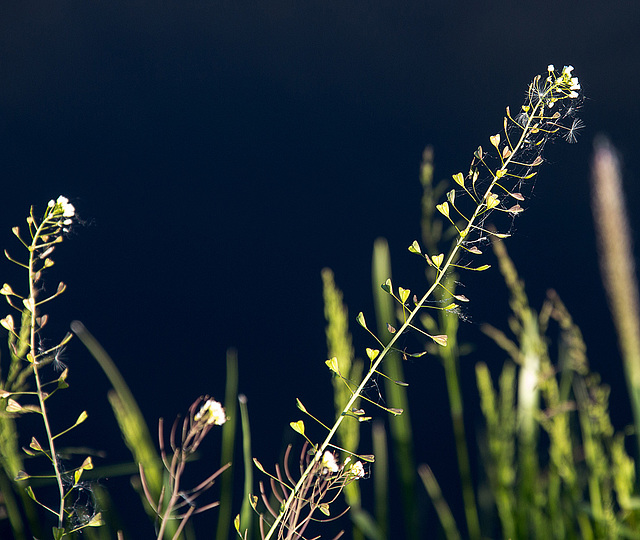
<point x="549" y="102"/>
<point x="44" y="234"/>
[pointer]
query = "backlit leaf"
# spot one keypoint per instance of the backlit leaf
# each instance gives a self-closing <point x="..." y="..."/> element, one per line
<point x="299" y="403"/>
<point x="387" y="286"/>
<point x="298" y="426"/>
<point x="360" y="320"/>
<point x="451" y="196"/>
<point x="440" y="339"/>
<point x="372" y="353"/>
<point x="332" y="364"/>
<point x="404" y="294"/>
<point x="459" y="179"/>
<point x="492" y="201"/>
<point x="443" y="208"/>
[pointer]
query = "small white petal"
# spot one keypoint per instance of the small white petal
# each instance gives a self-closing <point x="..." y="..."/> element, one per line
<point x="329" y="462"/>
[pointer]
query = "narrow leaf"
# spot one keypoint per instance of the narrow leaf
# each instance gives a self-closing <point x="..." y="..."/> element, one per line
<point x="31" y="493"/>
<point x="300" y="405"/>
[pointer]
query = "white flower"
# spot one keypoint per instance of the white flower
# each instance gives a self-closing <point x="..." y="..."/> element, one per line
<point x="212" y="412"/>
<point x="357" y="470"/>
<point x="68" y="210"/>
<point x="550" y="68"/>
<point x="329" y="462"/>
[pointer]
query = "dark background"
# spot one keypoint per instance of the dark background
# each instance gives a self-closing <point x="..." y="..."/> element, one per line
<point x="222" y="153"/>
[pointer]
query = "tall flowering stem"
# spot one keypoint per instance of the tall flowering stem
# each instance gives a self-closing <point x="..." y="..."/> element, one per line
<point x="492" y="184"/>
<point x="44" y="235"/>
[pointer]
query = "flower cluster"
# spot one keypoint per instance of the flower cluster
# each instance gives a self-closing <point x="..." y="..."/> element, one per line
<point x="212" y="412"/>
<point x="555" y="88"/>
<point x="62" y="210"/>
<point x="564" y="81"/>
<point x="354" y="471"/>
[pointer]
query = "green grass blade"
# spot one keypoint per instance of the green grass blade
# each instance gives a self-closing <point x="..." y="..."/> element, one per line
<point x="400" y="428"/>
<point x="228" y="444"/>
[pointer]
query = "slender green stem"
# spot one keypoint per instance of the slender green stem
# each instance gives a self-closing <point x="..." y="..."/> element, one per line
<point x="442" y="269"/>
<point x="36" y="371"/>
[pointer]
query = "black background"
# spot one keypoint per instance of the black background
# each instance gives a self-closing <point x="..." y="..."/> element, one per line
<point x="222" y="153"/>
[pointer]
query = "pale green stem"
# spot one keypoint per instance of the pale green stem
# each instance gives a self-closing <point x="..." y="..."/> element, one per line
<point x="442" y="270"/>
<point x="36" y="373"/>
